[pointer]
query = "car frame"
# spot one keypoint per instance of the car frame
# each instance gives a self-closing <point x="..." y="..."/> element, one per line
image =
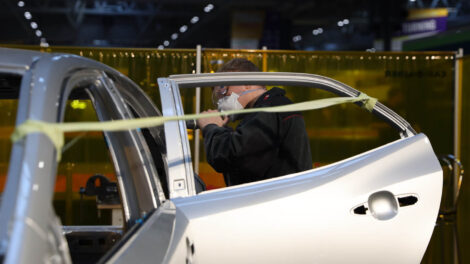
<point x="319" y="215"/>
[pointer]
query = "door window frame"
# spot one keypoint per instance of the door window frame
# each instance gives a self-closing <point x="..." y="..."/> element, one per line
<point x="139" y="194"/>
<point x="175" y="131"/>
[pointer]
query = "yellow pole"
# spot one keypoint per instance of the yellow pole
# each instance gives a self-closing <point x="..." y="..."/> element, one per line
<point x="458" y="103"/>
<point x="265" y="59"/>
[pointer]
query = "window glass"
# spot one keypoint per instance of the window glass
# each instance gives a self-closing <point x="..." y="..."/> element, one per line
<point x="86" y="194"/>
<point x="335" y="133"/>
<point x="9" y="90"/>
<point x="85" y="155"/>
<point x="153" y="138"/>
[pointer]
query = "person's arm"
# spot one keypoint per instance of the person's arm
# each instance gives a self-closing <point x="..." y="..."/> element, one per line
<point x="249" y="148"/>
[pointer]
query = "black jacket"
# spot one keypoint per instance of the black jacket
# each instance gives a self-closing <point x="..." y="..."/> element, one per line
<point x="263" y="145"/>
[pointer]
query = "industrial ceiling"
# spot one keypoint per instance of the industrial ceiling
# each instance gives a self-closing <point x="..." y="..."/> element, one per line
<point x="295" y="24"/>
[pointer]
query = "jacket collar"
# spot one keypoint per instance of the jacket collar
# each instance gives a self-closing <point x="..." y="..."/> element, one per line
<point x="275" y="91"/>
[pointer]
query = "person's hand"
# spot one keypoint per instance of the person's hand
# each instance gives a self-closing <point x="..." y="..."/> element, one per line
<point x="217" y="120"/>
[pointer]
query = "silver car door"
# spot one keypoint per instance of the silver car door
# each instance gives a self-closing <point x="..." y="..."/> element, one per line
<point x="376" y="207"/>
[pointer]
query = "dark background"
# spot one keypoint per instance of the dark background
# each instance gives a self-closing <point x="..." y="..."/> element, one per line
<point x="140" y="23"/>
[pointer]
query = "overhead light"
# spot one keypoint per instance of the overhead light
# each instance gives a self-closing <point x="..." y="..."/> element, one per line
<point x="27" y="15"/>
<point x="340" y="23"/>
<point x="44" y="43"/>
<point x="166" y="43"/>
<point x="346" y="21"/>
<point x="208" y="8"/>
<point x="34" y="25"/>
<point x="183" y="28"/>
<point x="174" y="36"/>
<point x="412" y="0"/>
<point x="195" y="19"/>
<point x="160" y="47"/>
<point x="20" y="3"/>
<point x="297" y="38"/>
<point x="317" y="31"/>
<point x="38" y="33"/>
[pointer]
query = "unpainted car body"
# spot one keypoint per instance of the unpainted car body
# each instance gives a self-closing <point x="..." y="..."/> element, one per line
<point x="379" y="206"/>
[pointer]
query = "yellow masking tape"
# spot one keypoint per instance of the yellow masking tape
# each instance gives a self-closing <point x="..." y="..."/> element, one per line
<point x="55" y="131"/>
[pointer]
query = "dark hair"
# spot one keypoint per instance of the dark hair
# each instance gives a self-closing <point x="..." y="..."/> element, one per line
<point x="239" y="65"/>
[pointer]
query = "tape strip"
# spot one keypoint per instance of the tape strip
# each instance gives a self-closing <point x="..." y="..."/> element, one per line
<point x="55" y="131"/>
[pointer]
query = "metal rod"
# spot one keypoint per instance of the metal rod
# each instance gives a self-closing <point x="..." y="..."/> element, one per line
<point x="197" y="110"/>
<point x="457" y="131"/>
<point x="458" y="102"/>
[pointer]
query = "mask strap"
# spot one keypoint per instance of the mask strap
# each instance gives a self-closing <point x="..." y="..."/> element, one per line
<point x="249" y="91"/>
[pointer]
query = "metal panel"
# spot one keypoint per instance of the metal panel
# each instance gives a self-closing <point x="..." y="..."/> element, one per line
<point x="150" y="243"/>
<point x="180" y="173"/>
<point x="308" y="217"/>
<point x="27" y="221"/>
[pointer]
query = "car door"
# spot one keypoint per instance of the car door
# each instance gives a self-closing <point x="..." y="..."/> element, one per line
<point x="376" y="207"/>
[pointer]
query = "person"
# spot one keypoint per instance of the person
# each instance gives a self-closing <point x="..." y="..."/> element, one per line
<point x="263" y="145"/>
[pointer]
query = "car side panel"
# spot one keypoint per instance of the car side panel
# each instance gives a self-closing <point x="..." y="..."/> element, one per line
<point x="308" y="217"/>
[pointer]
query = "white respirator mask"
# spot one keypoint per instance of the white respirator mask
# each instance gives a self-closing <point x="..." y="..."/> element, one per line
<point x="228" y="103"/>
<point x="231" y="102"/>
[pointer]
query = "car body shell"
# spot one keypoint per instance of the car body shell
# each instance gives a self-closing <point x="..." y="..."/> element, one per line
<point x="307" y="217"/>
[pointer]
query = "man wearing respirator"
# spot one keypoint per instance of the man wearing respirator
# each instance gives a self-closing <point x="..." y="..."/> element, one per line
<point x="263" y="145"/>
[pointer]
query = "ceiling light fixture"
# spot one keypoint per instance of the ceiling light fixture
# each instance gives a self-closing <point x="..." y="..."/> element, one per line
<point x="340" y="23"/>
<point x="194" y="20"/>
<point x="183" y="28"/>
<point x="346" y="21"/>
<point x="166" y="43"/>
<point x="34" y="25"/>
<point x="27" y="15"/>
<point x="208" y="8"/>
<point x="317" y="31"/>
<point x="174" y="36"/>
<point x="297" y="38"/>
<point x="160" y="47"/>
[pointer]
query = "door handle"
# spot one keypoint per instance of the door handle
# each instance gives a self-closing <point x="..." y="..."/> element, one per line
<point x="383" y="205"/>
